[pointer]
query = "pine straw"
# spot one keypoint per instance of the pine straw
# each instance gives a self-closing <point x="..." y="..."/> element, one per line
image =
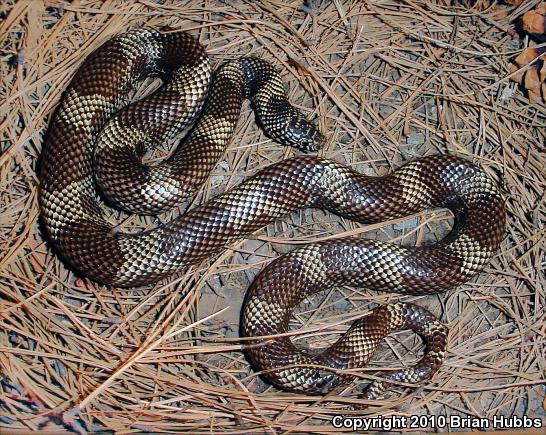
<point x="388" y="80"/>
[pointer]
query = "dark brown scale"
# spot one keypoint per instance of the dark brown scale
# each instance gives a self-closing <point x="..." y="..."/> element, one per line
<point x="72" y="214"/>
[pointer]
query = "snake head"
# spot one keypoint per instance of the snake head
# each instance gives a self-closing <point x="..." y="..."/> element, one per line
<point x="303" y="134"/>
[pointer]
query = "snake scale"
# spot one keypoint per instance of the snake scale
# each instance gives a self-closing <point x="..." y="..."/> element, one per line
<point x="97" y="139"/>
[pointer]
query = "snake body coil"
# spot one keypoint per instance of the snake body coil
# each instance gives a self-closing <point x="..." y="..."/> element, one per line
<point x="93" y="135"/>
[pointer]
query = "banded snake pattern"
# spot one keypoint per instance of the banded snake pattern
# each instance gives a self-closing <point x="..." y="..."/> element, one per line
<point x="95" y="144"/>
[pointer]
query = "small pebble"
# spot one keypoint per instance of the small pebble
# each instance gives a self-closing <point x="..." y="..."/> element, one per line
<point x="409" y="223"/>
<point x="415" y="139"/>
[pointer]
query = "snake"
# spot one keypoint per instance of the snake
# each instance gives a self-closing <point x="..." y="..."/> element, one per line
<point x="94" y="153"/>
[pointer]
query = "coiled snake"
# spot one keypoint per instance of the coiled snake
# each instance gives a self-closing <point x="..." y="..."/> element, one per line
<point x="95" y="135"/>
